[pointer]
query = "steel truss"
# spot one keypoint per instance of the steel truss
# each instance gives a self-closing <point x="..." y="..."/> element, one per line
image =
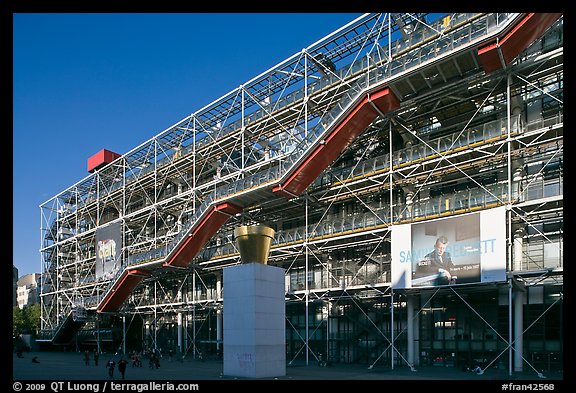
<point x="462" y="141"/>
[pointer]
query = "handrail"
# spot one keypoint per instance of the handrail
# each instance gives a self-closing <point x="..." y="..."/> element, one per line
<point x="370" y="78"/>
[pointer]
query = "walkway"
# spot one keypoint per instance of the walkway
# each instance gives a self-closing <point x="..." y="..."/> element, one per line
<point x="64" y="366"/>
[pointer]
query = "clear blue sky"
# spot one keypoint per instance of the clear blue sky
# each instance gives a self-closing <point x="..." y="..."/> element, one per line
<point x="88" y="81"/>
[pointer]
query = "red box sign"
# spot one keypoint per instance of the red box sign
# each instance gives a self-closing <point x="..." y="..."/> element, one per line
<point x="100" y="159"/>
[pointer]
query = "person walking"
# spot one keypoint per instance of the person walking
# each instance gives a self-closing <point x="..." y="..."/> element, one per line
<point x="87" y="357"/>
<point x="96" y="355"/>
<point x="111" y="365"/>
<point x="122" y="367"/>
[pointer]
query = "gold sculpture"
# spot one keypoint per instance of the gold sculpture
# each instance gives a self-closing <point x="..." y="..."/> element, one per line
<point x="254" y="243"/>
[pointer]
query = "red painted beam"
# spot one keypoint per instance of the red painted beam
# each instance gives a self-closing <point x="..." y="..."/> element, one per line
<point x="524" y="33"/>
<point x="124" y="285"/>
<point x="337" y="141"/>
<point x="209" y="225"/>
<point x="202" y="232"/>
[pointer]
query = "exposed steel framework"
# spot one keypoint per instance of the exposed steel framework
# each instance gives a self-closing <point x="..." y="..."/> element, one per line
<point x="391" y="119"/>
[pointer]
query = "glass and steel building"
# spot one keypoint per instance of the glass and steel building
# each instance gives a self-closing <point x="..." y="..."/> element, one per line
<point x="360" y="152"/>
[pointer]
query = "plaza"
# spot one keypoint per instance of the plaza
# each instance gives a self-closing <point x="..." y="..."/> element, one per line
<point x="65" y="366"/>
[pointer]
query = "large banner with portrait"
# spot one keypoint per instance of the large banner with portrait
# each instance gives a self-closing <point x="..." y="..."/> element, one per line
<point x="108" y="250"/>
<point x="469" y="248"/>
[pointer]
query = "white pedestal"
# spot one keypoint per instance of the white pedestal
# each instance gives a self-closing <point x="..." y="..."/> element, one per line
<point x="254" y="321"/>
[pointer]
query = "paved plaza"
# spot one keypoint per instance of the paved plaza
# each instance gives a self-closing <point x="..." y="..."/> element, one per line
<point x="64" y="366"/>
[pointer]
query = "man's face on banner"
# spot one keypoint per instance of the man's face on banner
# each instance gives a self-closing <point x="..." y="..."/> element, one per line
<point x="440" y="248"/>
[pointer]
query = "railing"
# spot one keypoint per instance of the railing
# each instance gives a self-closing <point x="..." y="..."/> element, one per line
<point x="408" y="53"/>
<point x="470" y="199"/>
<point x="335" y="225"/>
<point x="371" y="78"/>
<point x="405" y="55"/>
<point x="474" y="198"/>
<point x="488" y="132"/>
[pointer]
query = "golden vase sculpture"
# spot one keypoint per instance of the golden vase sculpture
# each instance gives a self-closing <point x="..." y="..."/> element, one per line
<point x="254" y="243"/>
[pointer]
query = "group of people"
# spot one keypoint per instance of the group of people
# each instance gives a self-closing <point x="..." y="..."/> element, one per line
<point x="134" y="358"/>
<point x="154" y="360"/>
<point x="111" y="366"/>
<point x="87" y="357"/>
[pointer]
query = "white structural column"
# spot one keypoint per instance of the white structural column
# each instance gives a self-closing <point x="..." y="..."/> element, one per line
<point x="219" y="313"/>
<point x="180" y="346"/>
<point x="254" y="322"/>
<point x="518" y="248"/>
<point x="518" y="328"/>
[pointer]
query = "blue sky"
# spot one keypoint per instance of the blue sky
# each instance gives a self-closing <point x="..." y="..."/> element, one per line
<point x="87" y="81"/>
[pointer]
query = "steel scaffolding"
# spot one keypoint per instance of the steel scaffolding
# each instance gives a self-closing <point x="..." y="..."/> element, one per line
<point x="391" y="119"/>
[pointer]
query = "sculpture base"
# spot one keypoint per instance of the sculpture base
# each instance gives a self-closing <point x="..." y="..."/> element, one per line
<point x="254" y="321"/>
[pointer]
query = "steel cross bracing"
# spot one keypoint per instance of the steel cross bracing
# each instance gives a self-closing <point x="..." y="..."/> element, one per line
<point x="543" y="274"/>
<point x="363" y="179"/>
<point x="140" y="158"/>
<point x="316" y="293"/>
<point x="349" y="185"/>
<point x="159" y="144"/>
<point x="205" y="202"/>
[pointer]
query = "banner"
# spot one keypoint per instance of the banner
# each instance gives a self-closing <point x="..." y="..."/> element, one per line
<point x="108" y="251"/>
<point x="464" y="249"/>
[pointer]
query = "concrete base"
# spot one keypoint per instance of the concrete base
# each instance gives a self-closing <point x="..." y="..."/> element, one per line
<point x="254" y="321"/>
